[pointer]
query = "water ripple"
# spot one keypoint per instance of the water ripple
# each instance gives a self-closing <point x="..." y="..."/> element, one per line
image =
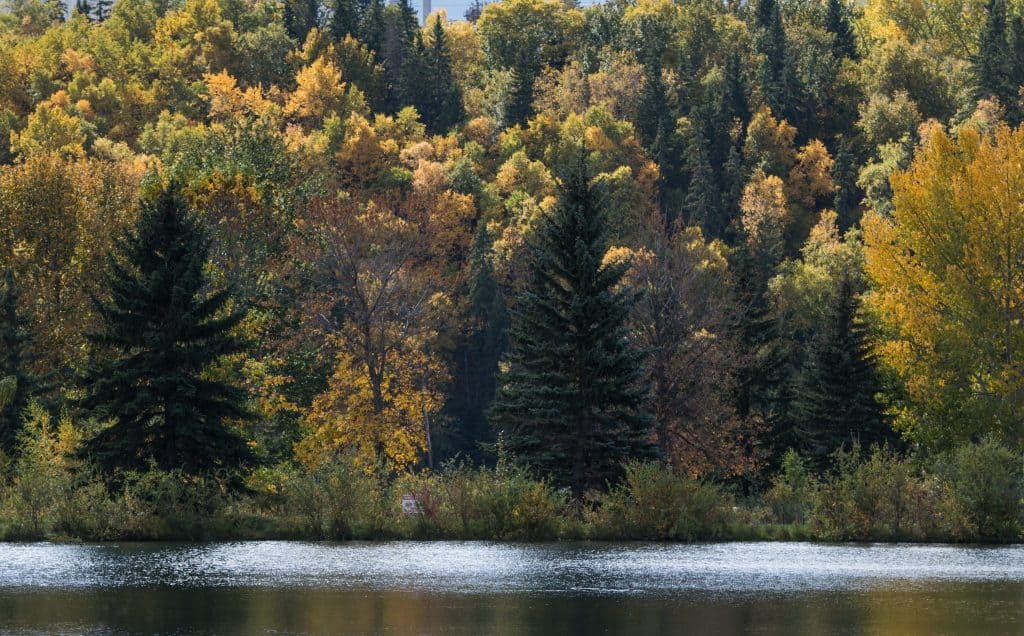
<point x="478" y="567"/>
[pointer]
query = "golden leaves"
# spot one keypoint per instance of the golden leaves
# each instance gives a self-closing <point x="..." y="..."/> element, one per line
<point x="949" y="274"/>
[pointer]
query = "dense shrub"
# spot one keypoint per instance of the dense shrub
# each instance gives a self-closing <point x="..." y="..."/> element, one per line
<point x="792" y="490"/>
<point x="655" y="503"/>
<point x="983" y="492"/>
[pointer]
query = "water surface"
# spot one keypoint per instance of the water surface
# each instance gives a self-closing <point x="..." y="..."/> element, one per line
<point x="491" y="588"/>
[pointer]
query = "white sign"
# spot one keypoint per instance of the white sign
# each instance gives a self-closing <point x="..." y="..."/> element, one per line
<point x="409" y="505"/>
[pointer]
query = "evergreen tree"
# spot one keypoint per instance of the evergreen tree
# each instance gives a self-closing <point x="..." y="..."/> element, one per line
<point x="848" y="194"/>
<point x="371" y="28"/>
<point x="300" y="17"/>
<point x="477" y="357"/>
<point x="414" y="86"/>
<point x="83" y="7"/>
<point x="733" y="179"/>
<point x="779" y="84"/>
<point x="402" y="53"/>
<point x="519" y="108"/>
<point x="656" y="128"/>
<point x="835" y="402"/>
<point x="18" y="384"/>
<point x="702" y="197"/>
<point x="765" y="385"/>
<point x="474" y="11"/>
<point x="570" y="401"/>
<point x="837" y="22"/>
<point x="440" y="103"/>
<point x="996" y="66"/>
<point x="344" y="20"/>
<point x="160" y="335"/>
<point x="736" y="89"/>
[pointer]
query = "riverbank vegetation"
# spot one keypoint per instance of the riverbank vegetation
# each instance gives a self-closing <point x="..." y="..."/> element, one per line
<point x="968" y="495"/>
<point x="640" y="270"/>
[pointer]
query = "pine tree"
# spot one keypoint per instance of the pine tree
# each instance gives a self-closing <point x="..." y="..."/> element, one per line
<point x="402" y="49"/>
<point x="371" y="28"/>
<point x="996" y="66"/>
<point x="441" y="98"/>
<point x="477" y="357"/>
<point x="848" y="194"/>
<point x="765" y="385"/>
<point x="160" y="335"/>
<point x="835" y="402"/>
<point x="300" y="17"/>
<point x="344" y="20"/>
<point x="570" y="402"/>
<point x="837" y="22"/>
<point x="779" y="84"/>
<point x="19" y="383"/>
<point x="736" y="89"/>
<point x="702" y="197"/>
<point x="474" y="11"/>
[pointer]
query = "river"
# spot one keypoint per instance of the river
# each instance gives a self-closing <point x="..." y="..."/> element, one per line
<point x="499" y="588"/>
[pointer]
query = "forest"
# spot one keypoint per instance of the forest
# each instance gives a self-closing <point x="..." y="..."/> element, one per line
<point x="645" y="269"/>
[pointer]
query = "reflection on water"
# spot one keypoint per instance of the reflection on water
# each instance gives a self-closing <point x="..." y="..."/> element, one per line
<point x="483" y="588"/>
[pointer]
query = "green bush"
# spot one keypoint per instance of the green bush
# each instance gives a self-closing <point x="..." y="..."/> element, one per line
<point x="872" y="498"/>
<point x="337" y="500"/>
<point x="655" y="503"/>
<point x="983" y="492"/>
<point x="792" y="491"/>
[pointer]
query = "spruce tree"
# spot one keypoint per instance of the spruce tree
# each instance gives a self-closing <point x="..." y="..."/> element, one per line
<point x="58" y="10"/>
<point x="160" y="334"/>
<point x="401" y="53"/>
<point x="736" y="89"/>
<point x="702" y="196"/>
<point x="478" y="353"/>
<point x="848" y="194"/>
<point x="837" y="22"/>
<point x="734" y="178"/>
<point x="765" y="384"/>
<point x="301" y="16"/>
<point x="344" y="20"/>
<point x="371" y="28"/>
<point x="996" y="66"/>
<point x="835" y="402"/>
<point x="474" y="11"/>
<point x="779" y="84"/>
<point x="20" y="384"/>
<point x="570" y="401"/>
<point x="442" y="98"/>
<point x="413" y="86"/>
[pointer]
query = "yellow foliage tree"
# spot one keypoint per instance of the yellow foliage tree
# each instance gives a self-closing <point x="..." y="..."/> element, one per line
<point x="50" y="129"/>
<point x="381" y="308"/>
<point x="320" y="92"/>
<point x="948" y="269"/>
<point x="394" y="425"/>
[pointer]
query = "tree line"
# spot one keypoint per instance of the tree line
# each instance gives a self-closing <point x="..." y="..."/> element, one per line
<point x="245" y="233"/>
